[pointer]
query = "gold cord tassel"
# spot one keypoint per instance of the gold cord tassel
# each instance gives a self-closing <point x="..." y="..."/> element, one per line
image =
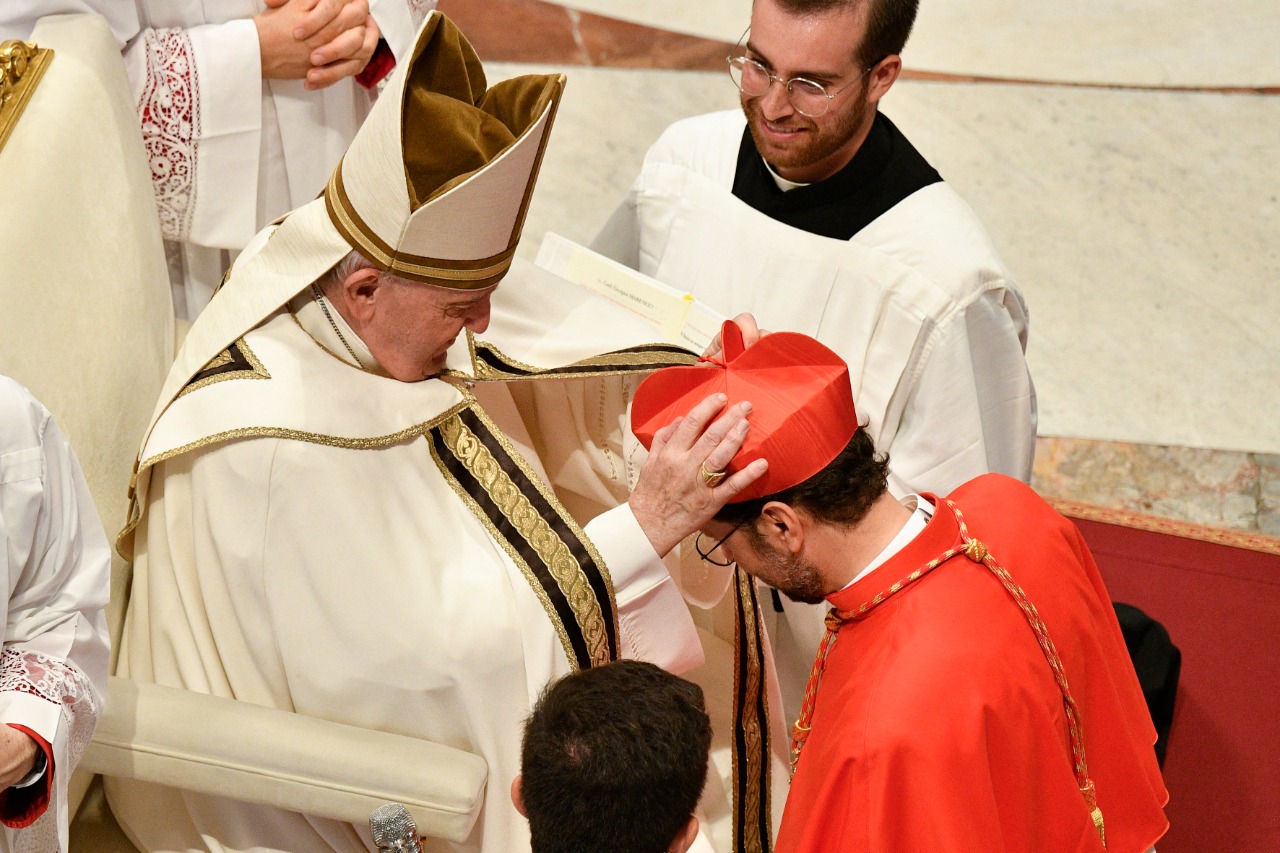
<point x="1096" y="814"/>
<point x="1091" y="803"/>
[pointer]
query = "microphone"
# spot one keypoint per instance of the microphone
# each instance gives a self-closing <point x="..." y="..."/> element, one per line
<point x="393" y="830"/>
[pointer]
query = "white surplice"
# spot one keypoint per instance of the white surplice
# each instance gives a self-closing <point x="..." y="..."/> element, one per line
<point x="53" y="669"/>
<point x="229" y="150"/>
<point x="918" y="303"/>
<point x="292" y="555"/>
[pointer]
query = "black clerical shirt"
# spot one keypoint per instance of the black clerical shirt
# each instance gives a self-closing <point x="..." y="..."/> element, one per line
<point x="885" y="170"/>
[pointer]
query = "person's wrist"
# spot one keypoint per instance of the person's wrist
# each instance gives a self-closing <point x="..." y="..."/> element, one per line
<point x="20" y="751"/>
<point x="39" y="764"/>
<point x="272" y="44"/>
<point x="655" y="526"/>
<point x="262" y="25"/>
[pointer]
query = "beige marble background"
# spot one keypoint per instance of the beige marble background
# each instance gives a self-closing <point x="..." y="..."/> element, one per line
<point x="1143" y="228"/>
<point x="1110" y="42"/>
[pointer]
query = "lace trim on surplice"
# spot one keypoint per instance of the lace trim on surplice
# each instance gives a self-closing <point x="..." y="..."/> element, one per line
<point x="56" y="681"/>
<point x="169" y="110"/>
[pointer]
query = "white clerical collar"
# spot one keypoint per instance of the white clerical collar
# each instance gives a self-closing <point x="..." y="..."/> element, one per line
<point x="921" y="512"/>
<point x="783" y="183"/>
<point x="331" y="330"/>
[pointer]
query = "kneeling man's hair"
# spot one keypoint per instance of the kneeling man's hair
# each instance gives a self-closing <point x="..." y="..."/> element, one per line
<point x="614" y="760"/>
<point x="840" y="494"/>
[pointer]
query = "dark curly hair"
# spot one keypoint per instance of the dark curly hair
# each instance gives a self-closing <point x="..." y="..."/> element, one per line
<point x="841" y="493"/>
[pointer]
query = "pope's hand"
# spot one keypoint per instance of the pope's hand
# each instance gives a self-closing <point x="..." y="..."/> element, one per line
<point x="672" y="499"/>
<point x="750" y="334"/>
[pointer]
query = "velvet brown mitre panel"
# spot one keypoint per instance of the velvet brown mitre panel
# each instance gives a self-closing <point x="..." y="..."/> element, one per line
<point x="452" y="125"/>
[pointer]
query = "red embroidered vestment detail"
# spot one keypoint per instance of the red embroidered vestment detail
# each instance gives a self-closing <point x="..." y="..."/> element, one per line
<point x="169" y="111"/>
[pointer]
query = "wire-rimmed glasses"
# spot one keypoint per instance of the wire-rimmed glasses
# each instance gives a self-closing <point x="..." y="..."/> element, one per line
<point x="707" y="554"/>
<point x="809" y="97"/>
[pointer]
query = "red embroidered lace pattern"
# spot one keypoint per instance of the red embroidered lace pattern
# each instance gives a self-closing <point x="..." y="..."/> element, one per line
<point x="169" y="110"/>
<point x="56" y="681"/>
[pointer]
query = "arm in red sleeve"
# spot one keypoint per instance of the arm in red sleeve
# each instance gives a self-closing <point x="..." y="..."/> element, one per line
<point x="21" y="806"/>
<point x="380" y="65"/>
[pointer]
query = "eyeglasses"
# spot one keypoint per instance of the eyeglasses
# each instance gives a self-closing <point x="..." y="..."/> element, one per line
<point x="706" y="555"/>
<point x="809" y="97"/>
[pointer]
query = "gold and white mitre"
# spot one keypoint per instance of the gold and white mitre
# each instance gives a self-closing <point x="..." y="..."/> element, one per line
<point x="434" y="187"/>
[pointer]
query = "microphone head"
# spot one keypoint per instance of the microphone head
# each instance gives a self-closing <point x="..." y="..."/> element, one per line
<point x="393" y="828"/>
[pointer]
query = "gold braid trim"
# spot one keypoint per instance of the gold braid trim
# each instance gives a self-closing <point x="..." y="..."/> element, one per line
<point x="751" y="766"/>
<point x="470" y="450"/>
<point x="143" y="466"/>
<point x="203" y="378"/>
<point x="628" y="360"/>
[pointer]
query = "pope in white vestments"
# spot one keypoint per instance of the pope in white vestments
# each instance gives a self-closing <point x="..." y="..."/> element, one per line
<point x="324" y="524"/>
<point x="53" y="669"/>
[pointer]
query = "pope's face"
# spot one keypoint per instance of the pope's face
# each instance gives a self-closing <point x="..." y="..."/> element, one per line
<point x="791" y="574"/>
<point x="822" y="48"/>
<point x="418" y="323"/>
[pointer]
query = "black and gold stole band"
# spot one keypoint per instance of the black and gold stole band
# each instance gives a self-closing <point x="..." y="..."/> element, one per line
<point x="560" y="563"/>
<point x="490" y="363"/>
<point x="752" y="821"/>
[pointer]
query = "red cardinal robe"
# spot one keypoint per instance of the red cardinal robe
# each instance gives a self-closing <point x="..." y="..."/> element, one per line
<point x="938" y="724"/>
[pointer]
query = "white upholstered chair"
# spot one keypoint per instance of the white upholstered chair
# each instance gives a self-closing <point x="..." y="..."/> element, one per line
<point x="86" y="323"/>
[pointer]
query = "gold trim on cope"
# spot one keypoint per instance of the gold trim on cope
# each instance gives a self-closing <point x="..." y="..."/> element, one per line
<point x="254" y="371"/>
<point x="607" y="364"/>
<point x="516" y="507"/>
<point x="21" y="67"/>
<point x="541" y="594"/>
<point x="751" y="768"/>
<point x="371" y="443"/>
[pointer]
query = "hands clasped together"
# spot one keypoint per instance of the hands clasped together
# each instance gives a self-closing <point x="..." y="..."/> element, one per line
<point x="321" y="41"/>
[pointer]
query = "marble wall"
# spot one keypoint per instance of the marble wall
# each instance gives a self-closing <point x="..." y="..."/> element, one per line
<point x="1218" y="488"/>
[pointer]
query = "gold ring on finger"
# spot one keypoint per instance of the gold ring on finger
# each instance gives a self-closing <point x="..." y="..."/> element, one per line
<point x="711" y="478"/>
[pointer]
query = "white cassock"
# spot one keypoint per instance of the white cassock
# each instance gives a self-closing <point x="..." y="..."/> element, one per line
<point x="53" y="670"/>
<point x="326" y="540"/>
<point x="917" y="302"/>
<point x="229" y="150"/>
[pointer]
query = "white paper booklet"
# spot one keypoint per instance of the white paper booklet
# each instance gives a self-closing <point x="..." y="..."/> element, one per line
<point x="677" y="317"/>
